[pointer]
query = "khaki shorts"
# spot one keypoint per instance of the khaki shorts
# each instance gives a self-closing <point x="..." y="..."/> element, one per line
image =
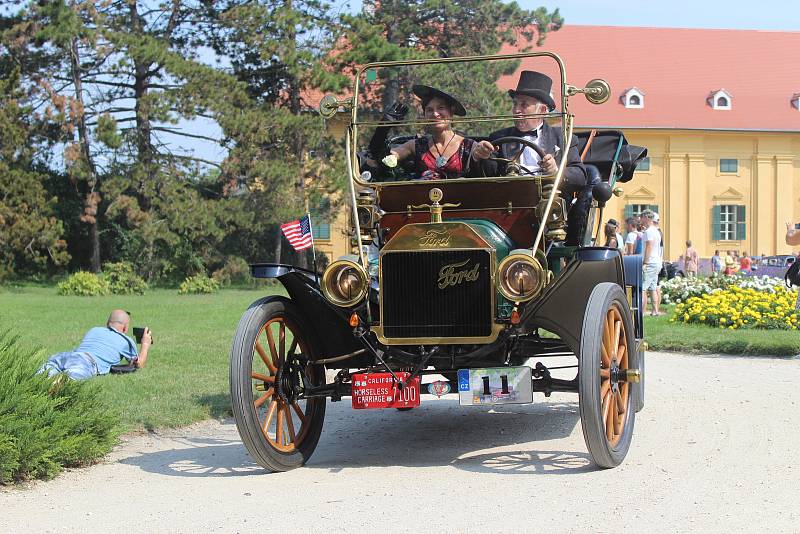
<point x="650" y="281"/>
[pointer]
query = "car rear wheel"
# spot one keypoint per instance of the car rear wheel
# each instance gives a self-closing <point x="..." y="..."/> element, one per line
<point x="606" y="399"/>
<point x="269" y="372"/>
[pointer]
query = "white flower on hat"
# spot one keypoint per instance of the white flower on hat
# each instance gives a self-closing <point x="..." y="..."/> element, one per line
<point x="390" y="161"/>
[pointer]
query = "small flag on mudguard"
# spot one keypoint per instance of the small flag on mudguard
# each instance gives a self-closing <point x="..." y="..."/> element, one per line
<point x="299" y="233"/>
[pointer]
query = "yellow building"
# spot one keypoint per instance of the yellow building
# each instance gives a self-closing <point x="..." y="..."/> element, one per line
<point x="722" y="190"/>
<point x="722" y="129"/>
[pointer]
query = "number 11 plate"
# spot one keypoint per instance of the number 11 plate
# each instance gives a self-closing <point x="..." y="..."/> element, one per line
<point x="495" y="385"/>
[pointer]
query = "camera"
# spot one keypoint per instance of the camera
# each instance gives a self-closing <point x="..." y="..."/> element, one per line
<point x="138" y="332"/>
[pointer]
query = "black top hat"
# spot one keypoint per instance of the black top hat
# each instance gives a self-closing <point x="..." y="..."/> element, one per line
<point x="426" y="93"/>
<point x="537" y="85"/>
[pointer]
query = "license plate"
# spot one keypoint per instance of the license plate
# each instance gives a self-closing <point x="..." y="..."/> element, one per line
<point x="379" y="390"/>
<point x="495" y="385"/>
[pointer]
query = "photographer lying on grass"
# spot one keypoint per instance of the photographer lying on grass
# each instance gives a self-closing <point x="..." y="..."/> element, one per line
<point x="101" y="348"/>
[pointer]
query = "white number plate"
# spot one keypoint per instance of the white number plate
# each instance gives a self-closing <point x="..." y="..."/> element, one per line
<point x="495" y="385"/>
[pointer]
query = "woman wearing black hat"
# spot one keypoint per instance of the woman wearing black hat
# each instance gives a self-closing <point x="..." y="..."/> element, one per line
<point x="442" y="153"/>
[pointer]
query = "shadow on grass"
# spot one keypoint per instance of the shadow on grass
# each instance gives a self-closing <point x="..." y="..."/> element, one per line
<point x="437" y="434"/>
<point x="218" y="404"/>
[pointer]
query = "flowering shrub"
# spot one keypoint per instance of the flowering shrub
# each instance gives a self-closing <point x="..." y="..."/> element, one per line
<point x="197" y="284"/>
<point x="738" y="307"/>
<point x="84" y="284"/>
<point x="122" y="280"/>
<point x="680" y="289"/>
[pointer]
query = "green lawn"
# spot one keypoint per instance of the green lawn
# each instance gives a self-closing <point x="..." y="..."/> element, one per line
<point x="664" y="335"/>
<point x="186" y="378"/>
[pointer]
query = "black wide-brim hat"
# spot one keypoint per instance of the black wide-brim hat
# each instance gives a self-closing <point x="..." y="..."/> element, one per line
<point x="426" y="93"/>
<point x="537" y="85"/>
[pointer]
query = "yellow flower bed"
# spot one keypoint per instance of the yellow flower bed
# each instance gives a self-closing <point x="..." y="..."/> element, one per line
<point x="736" y="308"/>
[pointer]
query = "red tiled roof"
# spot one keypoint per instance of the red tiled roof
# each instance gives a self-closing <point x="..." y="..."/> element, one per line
<point x="677" y="70"/>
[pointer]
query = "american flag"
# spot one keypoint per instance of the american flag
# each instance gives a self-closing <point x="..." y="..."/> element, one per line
<point x="299" y="233"/>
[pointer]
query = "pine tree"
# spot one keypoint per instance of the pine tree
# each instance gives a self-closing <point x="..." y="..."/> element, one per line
<point x="31" y="238"/>
<point x="288" y="161"/>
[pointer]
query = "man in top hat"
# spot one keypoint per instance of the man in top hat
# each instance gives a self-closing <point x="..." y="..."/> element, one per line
<point x="532" y="96"/>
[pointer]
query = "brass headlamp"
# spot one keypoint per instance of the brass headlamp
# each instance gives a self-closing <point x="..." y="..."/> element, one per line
<point x="520" y="277"/>
<point x="345" y="283"/>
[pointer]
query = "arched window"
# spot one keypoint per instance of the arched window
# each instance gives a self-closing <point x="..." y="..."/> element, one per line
<point x="635" y="100"/>
<point x="722" y="102"/>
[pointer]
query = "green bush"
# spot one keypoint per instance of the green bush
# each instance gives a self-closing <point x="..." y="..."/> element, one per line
<point x="47" y="424"/>
<point x="122" y="280"/>
<point x="197" y="284"/>
<point x="84" y="284"/>
<point x="236" y="271"/>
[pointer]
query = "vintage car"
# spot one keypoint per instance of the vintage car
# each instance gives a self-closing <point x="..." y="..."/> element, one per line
<point x="469" y="279"/>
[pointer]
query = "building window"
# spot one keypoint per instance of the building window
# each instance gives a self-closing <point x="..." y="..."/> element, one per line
<point x="644" y="164"/>
<point x="729" y="223"/>
<point x="635" y="101"/>
<point x="321" y="230"/>
<point x="728" y="165"/>
<point x="632" y="210"/>
<point x="320" y="225"/>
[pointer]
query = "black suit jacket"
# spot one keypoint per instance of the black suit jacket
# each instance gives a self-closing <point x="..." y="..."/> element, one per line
<point x="550" y="138"/>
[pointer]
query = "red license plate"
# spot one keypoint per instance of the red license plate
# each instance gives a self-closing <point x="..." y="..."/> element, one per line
<point x="379" y="390"/>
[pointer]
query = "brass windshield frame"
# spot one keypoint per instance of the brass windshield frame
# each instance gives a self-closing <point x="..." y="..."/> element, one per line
<point x="351" y="140"/>
<point x="355" y="123"/>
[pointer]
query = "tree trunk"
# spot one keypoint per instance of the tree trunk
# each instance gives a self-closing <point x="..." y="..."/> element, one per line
<point x="144" y="146"/>
<point x="299" y="147"/>
<point x="278" y="245"/>
<point x="392" y="88"/>
<point x="91" y="200"/>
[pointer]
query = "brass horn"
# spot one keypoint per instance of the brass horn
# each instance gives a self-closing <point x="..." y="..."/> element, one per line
<point x="329" y="105"/>
<point x="596" y="91"/>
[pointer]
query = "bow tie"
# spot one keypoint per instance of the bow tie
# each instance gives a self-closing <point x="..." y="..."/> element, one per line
<point x="532" y="133"/>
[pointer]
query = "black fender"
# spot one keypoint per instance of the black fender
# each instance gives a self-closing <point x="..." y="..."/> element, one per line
<point x="633" y="279"/>
<point x="329" y="324"/>
<point x="562" y="306"/>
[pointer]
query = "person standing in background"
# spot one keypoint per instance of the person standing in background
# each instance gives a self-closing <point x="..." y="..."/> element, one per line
<point x="657" y="224"/>
<point x="793" y="239"/>
<point x="745" y="263"/>
<point x="618" y="236"/>
<point x="716" y="263"/>
<point x="690" y="260"/>
<point x="610" y="232"/>
<point x="792" y="235"/>
<point x="631" y="236"/>
<point x="652" y="262"/>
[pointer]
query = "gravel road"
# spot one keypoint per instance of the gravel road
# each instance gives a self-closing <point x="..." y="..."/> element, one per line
<point x="715" y="450"/>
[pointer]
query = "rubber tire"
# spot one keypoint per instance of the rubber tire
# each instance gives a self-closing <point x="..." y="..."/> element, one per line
<point x="241" y="366"/>
<point x="589" y="403"/>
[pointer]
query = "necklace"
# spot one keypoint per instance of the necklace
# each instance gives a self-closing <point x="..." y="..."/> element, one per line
<point x="440" y="159"/>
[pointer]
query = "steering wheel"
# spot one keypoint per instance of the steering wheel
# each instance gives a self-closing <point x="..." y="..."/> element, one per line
<point x="522" y="141"/>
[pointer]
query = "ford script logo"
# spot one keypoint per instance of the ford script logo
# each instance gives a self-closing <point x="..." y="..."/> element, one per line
<point x="453" y="274"/>
<point x="435" y="239"/>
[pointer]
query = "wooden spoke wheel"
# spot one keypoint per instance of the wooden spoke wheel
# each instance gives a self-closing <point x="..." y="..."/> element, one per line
<point x="269" y="373"/>
<point x="605" y="396"/>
